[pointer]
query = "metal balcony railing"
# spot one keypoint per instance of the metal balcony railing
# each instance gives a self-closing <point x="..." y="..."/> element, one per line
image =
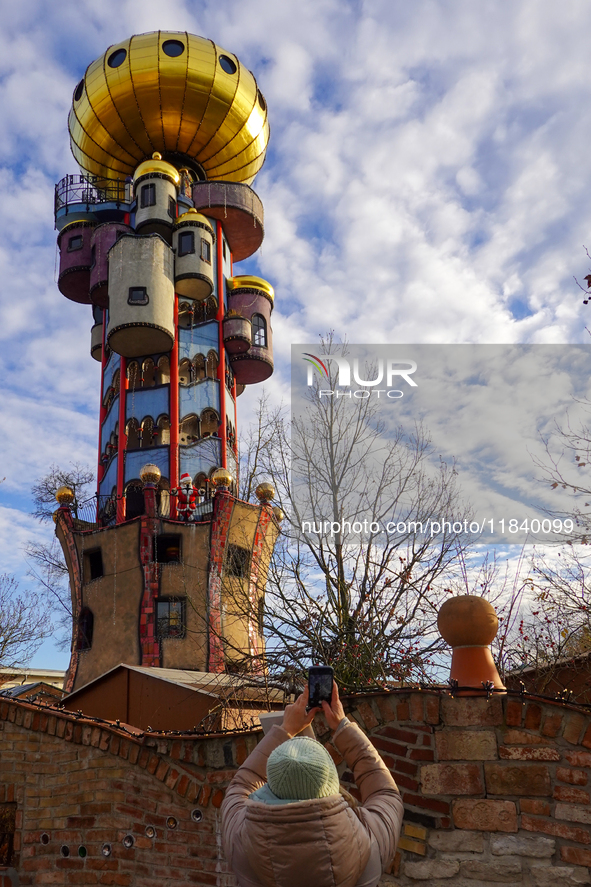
<point x="89" y="190"/>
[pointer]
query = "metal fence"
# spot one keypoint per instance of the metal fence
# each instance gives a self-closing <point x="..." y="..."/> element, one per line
<point x="105" y="511"/>
<point x="90" y="190"/>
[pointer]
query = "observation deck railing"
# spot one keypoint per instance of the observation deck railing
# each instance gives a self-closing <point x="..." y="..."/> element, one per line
<point x="89" y="190"/>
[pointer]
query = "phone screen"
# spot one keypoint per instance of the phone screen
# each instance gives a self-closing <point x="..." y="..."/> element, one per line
<point x="320" y="678"/>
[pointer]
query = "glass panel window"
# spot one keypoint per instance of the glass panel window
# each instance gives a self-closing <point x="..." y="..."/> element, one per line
<point x="75" y="243"/>
<point x="259" y="331"/>
<point x="237" y="562"/>
<point x="93" y="256"/>
<point x="170" y="618"/>
<point x="172" y="207"/>
<point x="205" y="250"/>
<point x="186" y="243"/>
<point x="137" y="295"/>
<point x="148" y="195"/>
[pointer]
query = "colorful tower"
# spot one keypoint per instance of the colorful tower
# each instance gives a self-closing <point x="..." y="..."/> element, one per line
<point x="169" y="131"/>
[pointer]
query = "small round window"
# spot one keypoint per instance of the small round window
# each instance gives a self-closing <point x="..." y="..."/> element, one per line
<point x="117" y="58"/>
<point x="79" y="91"/>
<point x="173" y="48"/>
<point x="227" y="65"/>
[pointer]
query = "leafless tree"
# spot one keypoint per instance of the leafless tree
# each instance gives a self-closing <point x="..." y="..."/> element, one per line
<point x="364" y="603"/>
<point x="24" y="623"/>
<point x="78" y="477"/>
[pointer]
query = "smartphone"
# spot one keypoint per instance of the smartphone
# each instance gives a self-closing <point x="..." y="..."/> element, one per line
<point x="320" y="678"/>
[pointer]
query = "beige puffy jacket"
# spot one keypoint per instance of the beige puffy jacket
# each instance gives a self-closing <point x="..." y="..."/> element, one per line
<point x="317" y="843"/>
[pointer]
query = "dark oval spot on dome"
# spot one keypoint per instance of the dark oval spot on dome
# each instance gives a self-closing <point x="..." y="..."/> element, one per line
<point x="78" y="91"/>
<point x="261" y="99"/>
<point x="117" y="58"/>
<point x="82" y="851"/>
<point x="227" y="65"/>
<point x="173" y="48"/>
<point x="65" y="850"/>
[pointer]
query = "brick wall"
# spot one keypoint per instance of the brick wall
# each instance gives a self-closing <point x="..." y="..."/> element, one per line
<point x="495" y="791"/>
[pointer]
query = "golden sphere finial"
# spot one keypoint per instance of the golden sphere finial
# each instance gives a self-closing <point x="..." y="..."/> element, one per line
<point x="150" y="474"/>
<point x="265" y="492"/>
<point x="278" y="512"/>
<point x="222" y="478"/>
<point x="156" y="155"/>
<point x="65" y="495"/>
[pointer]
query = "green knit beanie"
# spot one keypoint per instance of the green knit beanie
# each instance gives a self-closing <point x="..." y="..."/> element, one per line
<point x="301" y="769"/>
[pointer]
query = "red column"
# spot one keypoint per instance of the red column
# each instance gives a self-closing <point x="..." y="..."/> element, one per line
<point x="174" y="411"/>
<point x="122" y="441"/>
<point x="101" y="469"/>
<point x="221" y="348"/>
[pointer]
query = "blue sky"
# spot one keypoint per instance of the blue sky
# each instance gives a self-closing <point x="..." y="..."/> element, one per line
<point x="427" y="181"/>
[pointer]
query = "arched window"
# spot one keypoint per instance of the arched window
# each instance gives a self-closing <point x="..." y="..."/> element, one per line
<point x="212" y="365"/>
<point x="133" y="436"/>
<point x="189" y="431"/>
<point x="163" y="431"/>
<point x="148" y="438"/>
<point x="186" y="315"/>
<point x="209" y="423"/>
<point x="164" y="370"/>
<point x="202" y="482"/>
<point x="134" y="499"/>
<point x="133" y="371"/>
<point x="259" y="330"/>
<point x="115" y="382"/>
<point x="148" y="380"/>
<point x="163" y="497"/>
<point x="199" y="367"/>
<point x="85" y="629"/>
<point x="185" y="371"/>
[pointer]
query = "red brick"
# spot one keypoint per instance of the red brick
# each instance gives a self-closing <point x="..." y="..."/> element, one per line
<point x="134" y="752"/>
<point x="536" y="806"/>
<point x="204" y="795"/>
<point x="432" y="709"/>
<point x="576" y="855"/>
<point x="427" y="803"/>
<point x="552" y="725"/>
<point x="400" y="735"/>
<point x="485" y="815"/>
<point x="403" y="711"/>
<point x="578" y="758"/>
<point x="387" y="708"/>
<point x="182" y="786"/>
<point x="172" y="778"/>
<point x="405" y="782"/>
<point x="153" y="764"/>
<point x="542" y="753"/>
<point x="144" y="758"/>
<point x="513" y="715"/>
<point x="176" y="750"/>
<point x="367" y="715"/>
<point x="523" y="737"/>
<point x="473" y="711"/>
<point x="586" y="740"/>
<point x="452" y="779"/>
<point x="466" y="745"/>
<point x="574" y="777"/>
<point x="570" y="795"/>
<point x="558" y="829"/>
<point x="217" y="798"/>
<point x="240" y="750"/>
<point x="417" y="712"/>
<point x="533" y="716"/>
<point x="517" y="779"/>
<point x="387" y="745"/>
<point x="421" y="754"/>
<point x="162" y="770"/>
<point x="574" y="727"/>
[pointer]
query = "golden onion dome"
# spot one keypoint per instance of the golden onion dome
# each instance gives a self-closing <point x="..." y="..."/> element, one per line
<point x="173" y="93"/>
<point x="193" y="215"/>
<point x="248" y="281"/>
<point x="157" y="165"/>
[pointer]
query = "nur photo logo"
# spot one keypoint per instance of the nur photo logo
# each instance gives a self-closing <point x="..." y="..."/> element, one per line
<point x="387" y="371"/>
